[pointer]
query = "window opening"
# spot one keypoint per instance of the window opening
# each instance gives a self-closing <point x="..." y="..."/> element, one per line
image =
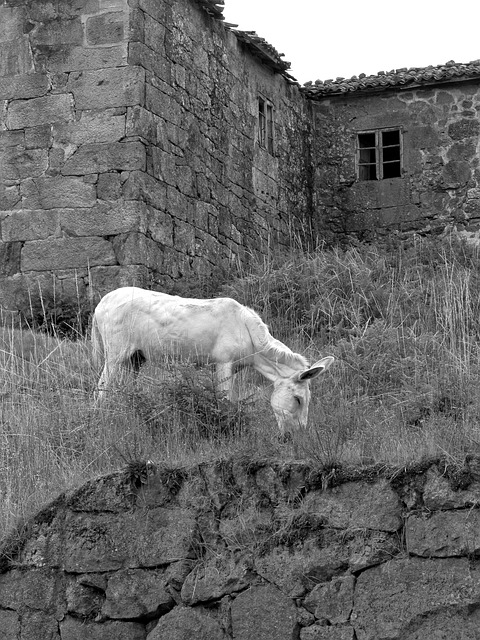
<point x="266" y="125"/>
<point x="379" y="154"/>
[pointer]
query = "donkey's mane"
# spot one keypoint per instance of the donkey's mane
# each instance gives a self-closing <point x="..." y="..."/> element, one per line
<point x="267" y="345"/>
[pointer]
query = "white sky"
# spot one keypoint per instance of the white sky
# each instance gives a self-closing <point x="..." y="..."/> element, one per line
<point x="325" y="39"/>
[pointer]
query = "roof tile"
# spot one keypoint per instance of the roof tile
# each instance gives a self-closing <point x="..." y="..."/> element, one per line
<point x="396" y="78"/>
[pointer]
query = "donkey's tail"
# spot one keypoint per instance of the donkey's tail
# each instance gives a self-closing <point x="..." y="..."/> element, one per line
<point x="97" y="344"/>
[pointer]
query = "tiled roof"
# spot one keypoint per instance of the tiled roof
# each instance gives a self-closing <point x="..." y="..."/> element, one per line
<point x="263" y="50"/>
<point x="395" y="79"/>
<point x="257" y="45"/>
<point x="213" y="7"/>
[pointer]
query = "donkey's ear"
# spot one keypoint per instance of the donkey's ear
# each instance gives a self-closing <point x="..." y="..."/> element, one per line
<point x="316" y="369"/>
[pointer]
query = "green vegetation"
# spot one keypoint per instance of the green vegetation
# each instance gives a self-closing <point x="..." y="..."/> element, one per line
<point x="402" y="320"/>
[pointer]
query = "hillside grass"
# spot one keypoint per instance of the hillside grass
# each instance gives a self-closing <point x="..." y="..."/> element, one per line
<point x="402" y="320"/>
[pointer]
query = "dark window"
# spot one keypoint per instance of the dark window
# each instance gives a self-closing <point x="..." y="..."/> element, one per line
<point x="265" y="125"/>
<point x="379" y="154"/>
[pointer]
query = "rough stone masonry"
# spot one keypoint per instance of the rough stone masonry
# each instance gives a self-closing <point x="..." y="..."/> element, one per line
<point x="128" y="148"/>
<point x="246" y="550"/>
<point x="145" y="142"/>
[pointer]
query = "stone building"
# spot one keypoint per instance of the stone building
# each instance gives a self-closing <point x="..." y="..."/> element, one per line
<point x="147" y="141"/>
<point x="399" y="150"/>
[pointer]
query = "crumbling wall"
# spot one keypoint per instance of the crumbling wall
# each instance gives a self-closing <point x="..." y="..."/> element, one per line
<point x="128" y="148"/>
<point x="250" y="550"/>
<point x="440" y="184"/>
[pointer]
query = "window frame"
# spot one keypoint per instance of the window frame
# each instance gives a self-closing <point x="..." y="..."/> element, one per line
<point x="266" y="125"/>
<point x="378" y="148"/>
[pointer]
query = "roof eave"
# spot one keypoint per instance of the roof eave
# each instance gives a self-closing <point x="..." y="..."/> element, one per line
<point x="318" y="94"/>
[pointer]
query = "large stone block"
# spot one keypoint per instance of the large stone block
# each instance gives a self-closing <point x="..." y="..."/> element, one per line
<point x="136" y="593"/>
<point x="10" y="625"/>
<point x="85" y="595"/>
<point x="106" y="28"/>
<point x="109" y="186"/>
<point x="112" y="493"/>
<point x="57" y="192"/>
<point x="104" y="220"/>
<point x="9" y="195"/>
<point x="56" y="32"/>
<point x="66" y="253"/>
<point x="185" y="624"/>
<point x="135" y="539"/>
<point x="43" y="110"/>
<point x="215" y="578"/>
<point x="91" y="127"/>
<point x="37" y="624"/>
<point x="35" y="589"/>
<point x="17" y="163"/>
<point x="332" y="601"/>
<point x="297" y="570"/>
<point x="16" y="57"/>
<point x="101" y="157"/>
<point x="14" y="138"/>
<point x="105" y="279"/>
<point x="10" y="257"/>
<point x="154" y="33"/>
<point x="459" y="624"/>
<point x="358" y="504"/>
<point x="464" y="128"/>
<point x="456" y="174"/>
<point x="317" y="632"/>
<point x="78" y="629"/>
<point x="438" y="494"/>
<point x="444" y="534"/>
<point x="40" y="137"/>
<point x="142" y="186"/>
<point x="398" y="598"/>
<point x="76" y="58"/>
<point x="117" y="87"/>
<point x="21" y="225"/>
<point x="156" y="10"/>
<point x="163" y="105"/>
<point x="141" y="55"/>
<point x="11" y="19"/>
<point x="137" y="248"/>
<point x="263" y="613"/>
<point x="141" y="123"/>
<point x="13" y="295"/>
<point x="21" y="87"/>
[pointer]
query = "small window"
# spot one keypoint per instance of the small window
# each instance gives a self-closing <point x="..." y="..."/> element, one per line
<point x="265" y="125"/>
<point x="379" y="154"/>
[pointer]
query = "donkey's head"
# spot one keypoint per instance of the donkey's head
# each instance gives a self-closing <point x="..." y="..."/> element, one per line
<point x="291" y="396"/>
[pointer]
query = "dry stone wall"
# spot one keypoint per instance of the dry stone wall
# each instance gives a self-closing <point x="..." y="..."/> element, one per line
<point x="440" y="183"/>
<point x="128" y="148"/>
<point x="247" y="550"/>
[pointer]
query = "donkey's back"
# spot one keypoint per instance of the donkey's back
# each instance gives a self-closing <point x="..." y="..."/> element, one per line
<point x="130" y="320"/>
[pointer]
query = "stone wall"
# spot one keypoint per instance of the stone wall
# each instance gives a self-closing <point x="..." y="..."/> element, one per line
<point x="250" y="551"/>
<point x="440" y="184"/>
<point x="128" y="148"/>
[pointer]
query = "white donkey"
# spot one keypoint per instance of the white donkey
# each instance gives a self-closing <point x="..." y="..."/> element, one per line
<point x="131" y="325"/>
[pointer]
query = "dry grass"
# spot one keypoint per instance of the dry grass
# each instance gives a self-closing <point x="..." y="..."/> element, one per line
<point x="403" y="322"/>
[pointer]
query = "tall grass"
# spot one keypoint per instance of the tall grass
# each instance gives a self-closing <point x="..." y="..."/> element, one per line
<point x="53" y="436"/>
<point x="402" y="321"/>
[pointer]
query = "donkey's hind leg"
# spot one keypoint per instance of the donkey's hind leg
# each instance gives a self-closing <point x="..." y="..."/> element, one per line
<point x="104" y="382"/>
<point x="116" y="372"/>
<point x="224" y="379"/>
